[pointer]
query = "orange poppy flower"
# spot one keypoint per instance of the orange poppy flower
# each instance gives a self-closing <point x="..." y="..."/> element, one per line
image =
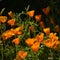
<point x="22" y="54"/>
<point x="10" y="13"/>
<point x="51" y="21"/>
<point x="31" y="13"/>
<point x="3" y="19"/>
<point x="38" y="18"/>
<point x="46" y="30"/>
<point x="57" y="28"/>
<point x="35" y="46"/>
<point x="30" y="41"/>
<point x="56" y="45"/>
<point x="17" y="30"/>
<point x="31" y="28"/>
<point x="11" y="22"/>
<point x="40" y="37"/>
<point x="7" y="34"/>
<point x="49" y="43"/>
<point x="16" y="41"/>
<point x="42" y="24"/>
<point x="46" y="10"/>
<point x="53" y="36"/>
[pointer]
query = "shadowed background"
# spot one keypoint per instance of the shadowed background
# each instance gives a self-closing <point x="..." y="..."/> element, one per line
<point x="37" y="5"/>
<point x="19" y="5"/>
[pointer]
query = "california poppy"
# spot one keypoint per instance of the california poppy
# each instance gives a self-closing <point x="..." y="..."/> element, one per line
<point x="48" y="43"/>
<point x="35" y="46"/>
<point x="18" y="30"/>
<point x="3" y="19"/>
<point x="16" y="41"/>
<point x="57" y="28"/>
<point x="40" y="37"/>
<point x="7" y="34"/>
<point x="42" y="24"/>
<point x="46" y="10"/>
<point x="53" y="36"/>
<point x="56" y="45"/>
<point x="22" y="54"/>
<point x="10" y="13"/>
<point x="51" y="20"/>
<point x="51" y="43"/>
<point x="38" y="17"/>
<point x="30" y="13"/>
<point x="11" y="22"/>
<point x="46" y="30"/>
<point x="30" y="41"/>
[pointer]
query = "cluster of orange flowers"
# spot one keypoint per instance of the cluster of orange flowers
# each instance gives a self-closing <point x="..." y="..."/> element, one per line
<point x="12" y="32"/>
<point x="9" y="33"/>
<point x="38" y="17"/>
<point x="51" y="42"/>
<point x="3" y="19"/>
<point x="35" y="43"/>
<point x="46" y="11"/>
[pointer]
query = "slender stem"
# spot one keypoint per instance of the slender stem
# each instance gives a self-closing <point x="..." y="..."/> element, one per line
<point x="16" y="48"/>
<point x="2" y="43"/>
<point x="51" y="54"/>
<point x="2" y="10"/>
<point x="2" y="51"/>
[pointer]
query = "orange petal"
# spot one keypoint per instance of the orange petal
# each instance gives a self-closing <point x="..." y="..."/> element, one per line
<point x="11" y="22"/>
<point x="46" y="10"/>
<point x="31" y="13"/>
<point x="16" y="41"/>
<point x="35" y="46"/>
<point x="30" y="41"/>
<point x="10" y="14"/>
<point x="46" y="30"/>
<point x="38" y="17"/>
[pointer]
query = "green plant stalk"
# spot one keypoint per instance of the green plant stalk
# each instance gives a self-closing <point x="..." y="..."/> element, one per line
<point x="32" y="55"/>
<point x="51" y="54"/>
<point x="2" y="44"/>
<point x="16" y="48"/>
<point x="36" y="56"/>
<point x="29" y="34"/>
<point x="2" y="11"/>
<point x="2" y="52"/>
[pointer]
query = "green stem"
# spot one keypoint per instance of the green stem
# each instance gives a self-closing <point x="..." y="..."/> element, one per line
<point x="36" y="56"/>
<point x="51" y="54"/>
<point x="2" y="11"/>
<point x="16" y="48"/>
<point x="2" y="51"/>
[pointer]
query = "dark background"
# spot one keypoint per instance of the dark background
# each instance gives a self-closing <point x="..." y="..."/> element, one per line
<point x="19" y="5"/>
<point x="37" y="5"/>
